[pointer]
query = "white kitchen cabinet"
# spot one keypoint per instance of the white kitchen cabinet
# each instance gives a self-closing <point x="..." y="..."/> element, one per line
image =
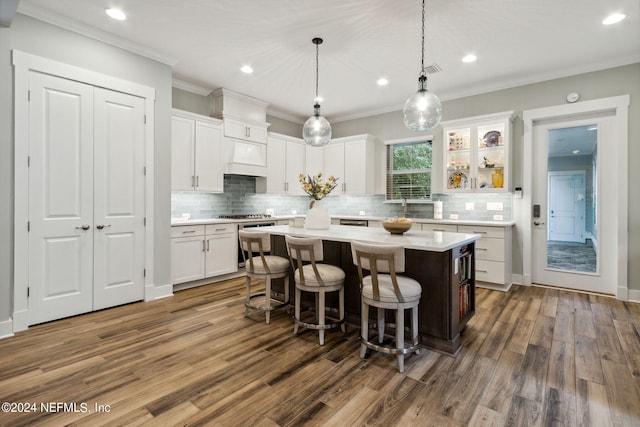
<point x="187" y="253"/>
<point x="314" y="159"/>
<point x="221" y="249"/>
<point x="285" y="162"/>
<point x="199" y="251"/>
<point x="493" y="255"/>
<point x="352" y="159"/>
<point x="253" y="132"/>
<point x="477" y="153"/>
<point x="451" y="228"/>
<point x="196" y="153"/>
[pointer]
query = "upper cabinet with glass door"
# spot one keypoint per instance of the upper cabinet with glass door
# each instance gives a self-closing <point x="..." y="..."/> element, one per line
<point x="477" y="153"/>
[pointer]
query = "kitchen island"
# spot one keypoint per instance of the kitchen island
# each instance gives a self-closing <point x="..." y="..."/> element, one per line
<point x="443" y="263"/>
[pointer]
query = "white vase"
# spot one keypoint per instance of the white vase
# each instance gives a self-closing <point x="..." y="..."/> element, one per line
<point x="317" y="216"/>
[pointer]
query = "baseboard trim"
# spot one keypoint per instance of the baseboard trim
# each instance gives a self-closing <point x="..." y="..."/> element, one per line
<point x="158" y="292"/>
<point x="6" y="328"/>
<point x="634" y="295"/>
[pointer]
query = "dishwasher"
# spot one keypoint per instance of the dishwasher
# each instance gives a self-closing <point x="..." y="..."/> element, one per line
<point x="356" y="222"/>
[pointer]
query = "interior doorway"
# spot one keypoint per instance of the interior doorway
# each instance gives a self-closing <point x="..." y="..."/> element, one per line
<point x="558" y="250"/>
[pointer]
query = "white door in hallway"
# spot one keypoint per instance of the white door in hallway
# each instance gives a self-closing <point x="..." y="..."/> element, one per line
<point x="567" y="192"/>
<point x="86" y="198"/>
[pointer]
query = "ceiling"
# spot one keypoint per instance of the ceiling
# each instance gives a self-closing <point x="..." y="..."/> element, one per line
<point x="207" y="41"/>
<point x="572" y="141"/>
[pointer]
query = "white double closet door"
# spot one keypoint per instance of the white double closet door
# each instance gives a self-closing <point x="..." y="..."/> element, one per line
<point x="86" y="198"/>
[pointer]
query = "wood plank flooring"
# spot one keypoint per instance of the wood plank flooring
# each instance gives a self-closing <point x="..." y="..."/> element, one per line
<point x="531" y="357"/>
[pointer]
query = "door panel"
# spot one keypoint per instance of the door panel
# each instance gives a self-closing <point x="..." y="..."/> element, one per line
<point x="208" y="154"/>
<point x="569" y="270"/>
<point x="566" y="206"/>
<point x="119" y="199"/>
<point x="182" y="152"/>
<point x="60" y="198"/>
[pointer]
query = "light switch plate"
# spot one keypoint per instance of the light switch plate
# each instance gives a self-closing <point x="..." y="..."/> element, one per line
<point x="453" y="216"/>
<point x="498" y="217"/>
<point x="469" y="206"/>
<point x="494" y="206"/>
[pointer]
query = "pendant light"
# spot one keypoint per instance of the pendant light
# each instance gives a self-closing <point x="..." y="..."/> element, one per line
<point x="423" y="110"/>
<point x="316" y="130"/>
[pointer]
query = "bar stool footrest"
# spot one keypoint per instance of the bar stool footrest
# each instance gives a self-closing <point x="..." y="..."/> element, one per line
<point x="388" y="349"/>
<point x="274" y="304"/>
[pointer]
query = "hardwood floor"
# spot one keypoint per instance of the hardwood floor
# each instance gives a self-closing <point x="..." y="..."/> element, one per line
<point x="531" y="357"/>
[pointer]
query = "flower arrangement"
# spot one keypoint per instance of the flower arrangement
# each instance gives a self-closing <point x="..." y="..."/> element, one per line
<point x="316" y="186"/>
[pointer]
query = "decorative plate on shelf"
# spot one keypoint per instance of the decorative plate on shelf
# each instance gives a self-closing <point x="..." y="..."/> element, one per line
<point x="491" y="138"/>
<point x="458" y="180"/>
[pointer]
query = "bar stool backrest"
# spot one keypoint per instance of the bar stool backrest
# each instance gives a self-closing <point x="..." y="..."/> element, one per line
<point x="305" y="250"/>
<point x="379" y="259"/>
<point x="253" y="242"/>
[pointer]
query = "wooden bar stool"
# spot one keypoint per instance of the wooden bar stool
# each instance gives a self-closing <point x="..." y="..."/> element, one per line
<point x="311" y="275"/>
<point x="386" y="292"/>
<point x="260" y="265"/>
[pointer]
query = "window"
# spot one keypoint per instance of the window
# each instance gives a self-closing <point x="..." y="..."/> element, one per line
<point x="409" y="169"/>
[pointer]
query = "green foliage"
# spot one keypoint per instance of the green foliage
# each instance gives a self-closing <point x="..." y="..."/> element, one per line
<point x="410" y="172"/>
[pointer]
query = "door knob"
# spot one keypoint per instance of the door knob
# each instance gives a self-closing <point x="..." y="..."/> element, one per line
<point x="84" y="227"/>
<point x="101" y="226"/>
<point x="538" y="223"/>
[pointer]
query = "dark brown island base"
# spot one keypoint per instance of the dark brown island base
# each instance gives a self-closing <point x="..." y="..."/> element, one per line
<point x="443" y="263"/>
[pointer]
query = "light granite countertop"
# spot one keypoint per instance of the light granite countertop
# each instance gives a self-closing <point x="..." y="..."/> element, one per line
<point x="435" y="241"/>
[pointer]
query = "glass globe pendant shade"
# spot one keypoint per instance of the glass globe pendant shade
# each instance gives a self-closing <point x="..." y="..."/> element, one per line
<point x="423" y="110"/>
<point x="316" y="130"/>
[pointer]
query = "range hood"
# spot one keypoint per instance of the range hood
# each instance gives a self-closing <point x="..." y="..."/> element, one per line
<point x="245" y="158"/>
<point x="245" y="132"/>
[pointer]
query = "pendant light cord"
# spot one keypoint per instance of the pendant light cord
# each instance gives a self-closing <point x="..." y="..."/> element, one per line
<point x="423" y="73"/>
<point x="317" y="71"/>
<point x="423" y="37"/>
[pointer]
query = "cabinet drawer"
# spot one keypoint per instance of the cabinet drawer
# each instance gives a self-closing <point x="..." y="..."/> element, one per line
<point x="490" y="271"/>
<point x="220" y="228"/>
<point x="494" y="232"/>
<point x="490" y="249"/>
<point x="187" y="231"/>
<point x="440" y="227"/>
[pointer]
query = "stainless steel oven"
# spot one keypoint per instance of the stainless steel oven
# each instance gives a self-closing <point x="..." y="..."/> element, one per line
<point x="251" y="224"/>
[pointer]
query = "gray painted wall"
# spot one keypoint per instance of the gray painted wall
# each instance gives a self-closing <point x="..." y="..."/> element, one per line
<point x="38" y="38"/>
<point x="595" y="85"/>
<point x="6" y="176"/>
<point x="200" y="104"/>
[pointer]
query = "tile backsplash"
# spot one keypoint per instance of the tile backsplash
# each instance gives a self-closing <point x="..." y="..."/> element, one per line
<point x="240" y="197"/>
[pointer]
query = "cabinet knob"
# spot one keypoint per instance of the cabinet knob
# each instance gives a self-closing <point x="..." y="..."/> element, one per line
<point x="102" y="226"/>
<point x="84" y="227"/>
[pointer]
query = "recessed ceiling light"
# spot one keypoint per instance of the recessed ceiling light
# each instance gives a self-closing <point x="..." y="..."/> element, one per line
<point x="382" y="81"/>
<point x="575" y="151"/>
<point x="469" y="58"/>
<point x="246" y="69"/>
<point x="116" y="13"/>
<point x="613" y="18"/>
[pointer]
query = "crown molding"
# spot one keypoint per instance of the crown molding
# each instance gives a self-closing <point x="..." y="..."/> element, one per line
<point x="190" y="87"/>
<point x="285" y="116"/>
<point x="93" y="33"/>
